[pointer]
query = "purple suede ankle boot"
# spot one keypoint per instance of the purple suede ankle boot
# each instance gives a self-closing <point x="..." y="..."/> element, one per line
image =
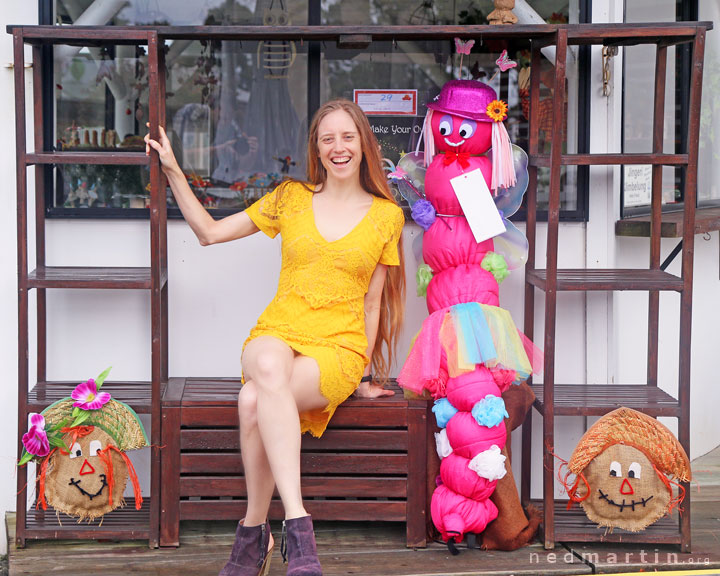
<point x="299" y="549"/>
<point x="250" y="555"/>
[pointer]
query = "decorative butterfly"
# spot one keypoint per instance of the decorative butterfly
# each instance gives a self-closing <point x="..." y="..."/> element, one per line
<point x="397" y="174"/>
<point x="504" y="63"/>
<point x="463" y="47"/>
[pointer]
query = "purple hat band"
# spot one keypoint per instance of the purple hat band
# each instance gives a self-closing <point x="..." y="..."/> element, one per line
<point x="465" y="98"/>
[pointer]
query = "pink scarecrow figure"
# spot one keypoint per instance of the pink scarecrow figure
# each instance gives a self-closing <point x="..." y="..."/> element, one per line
<point x="468" y="351"/>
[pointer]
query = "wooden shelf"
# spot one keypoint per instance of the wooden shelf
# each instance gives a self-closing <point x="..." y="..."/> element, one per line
<point x="706" y="220"/>
<point x="599" y="399"/>
<point x="81" y="35"/>
<point x="144" y="397"/>
<point x="580" y="279"/>
<point x="120" y="524"/>
<point x="544" y="161"/>
<point x="110" y="157"/>
<point x="574" y="526"/>
<point x="138" y="395"/>
<point x="666" y="33"/>
<point x="120" y="278"/>
<point x="596" y="400"/>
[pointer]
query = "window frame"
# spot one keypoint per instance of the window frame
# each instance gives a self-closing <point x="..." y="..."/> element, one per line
<point x="46" y="17"/>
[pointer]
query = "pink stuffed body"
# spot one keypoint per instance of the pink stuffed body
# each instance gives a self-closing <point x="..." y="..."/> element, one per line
<point x="461" y="502"/>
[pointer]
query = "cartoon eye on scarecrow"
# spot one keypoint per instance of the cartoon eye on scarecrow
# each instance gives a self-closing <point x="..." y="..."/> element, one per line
<point x="79" y="444"/>
<point x="625" y="466"/>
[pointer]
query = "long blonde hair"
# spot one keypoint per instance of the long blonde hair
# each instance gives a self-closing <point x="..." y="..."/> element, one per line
<point x="373" y="181"/>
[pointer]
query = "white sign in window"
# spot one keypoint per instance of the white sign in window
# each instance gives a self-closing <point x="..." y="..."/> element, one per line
<point x="637" y="184"/>
<point x="387" y="102"/>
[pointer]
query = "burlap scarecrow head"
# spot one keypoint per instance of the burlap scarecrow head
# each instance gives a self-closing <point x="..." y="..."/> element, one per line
<point x="622" y="464"/>
<point x="89" y="480"/>
<point x="79" y="444"/>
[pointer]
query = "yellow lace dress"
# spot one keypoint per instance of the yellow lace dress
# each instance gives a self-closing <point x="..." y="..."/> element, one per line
<point x="319" y="307"/>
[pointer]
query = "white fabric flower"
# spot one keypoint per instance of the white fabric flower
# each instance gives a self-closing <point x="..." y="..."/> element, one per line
<point x="443" y="444"/>
<point x="489" y="464"/>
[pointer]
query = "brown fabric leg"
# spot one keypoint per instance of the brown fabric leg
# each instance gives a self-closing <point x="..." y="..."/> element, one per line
<point x="512" y="529"/>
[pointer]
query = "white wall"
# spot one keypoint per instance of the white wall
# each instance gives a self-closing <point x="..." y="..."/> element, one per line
<point x="12" y="13"/>
<point x="216" y="294"/>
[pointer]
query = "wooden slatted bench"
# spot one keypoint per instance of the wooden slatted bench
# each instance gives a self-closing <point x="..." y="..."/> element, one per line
<point x="370" y="465"/>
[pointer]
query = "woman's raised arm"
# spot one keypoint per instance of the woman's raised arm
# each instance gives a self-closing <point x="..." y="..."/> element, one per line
<point x="206" y="228"/>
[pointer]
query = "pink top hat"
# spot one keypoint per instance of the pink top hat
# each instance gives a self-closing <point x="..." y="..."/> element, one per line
<point x="465" y="98"/>
<point x="470" y="99"/>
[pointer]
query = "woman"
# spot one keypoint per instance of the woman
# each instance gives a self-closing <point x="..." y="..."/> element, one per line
<point x="340" y="299"/>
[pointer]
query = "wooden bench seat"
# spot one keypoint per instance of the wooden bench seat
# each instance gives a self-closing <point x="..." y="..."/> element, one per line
<point x="370" y="465"/>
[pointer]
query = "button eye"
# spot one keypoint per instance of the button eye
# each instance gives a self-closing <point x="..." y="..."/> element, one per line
<point x="467" y="128"/>
<point x="634" y="470"/>
<point x="615" y="469"/>
<point x="95" y="447"/>
<point x="75" y="451"/>
<point x="445" y="127"/>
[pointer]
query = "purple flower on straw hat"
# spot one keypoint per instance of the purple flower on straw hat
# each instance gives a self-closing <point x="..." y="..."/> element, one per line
<point x="87" y="396"/>
<point x="36" y="440"/>
<point x="465" y="98"/>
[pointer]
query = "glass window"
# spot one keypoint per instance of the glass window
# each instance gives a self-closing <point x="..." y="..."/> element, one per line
<point x="233" y="119"/>
<point x="639" y="81"/>
<point x="639" y="86"/>
<point x="237" y="112"/>
<point x="426" y="65"/>
<point x="709" y="152"/>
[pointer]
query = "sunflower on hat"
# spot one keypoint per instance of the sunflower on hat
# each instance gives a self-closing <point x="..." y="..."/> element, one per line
<point x="497" y="110"/>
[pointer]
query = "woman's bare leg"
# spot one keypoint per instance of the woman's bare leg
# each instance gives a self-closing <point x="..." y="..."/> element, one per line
<point x="259" y="480"/>
<point x="285" y="385"/>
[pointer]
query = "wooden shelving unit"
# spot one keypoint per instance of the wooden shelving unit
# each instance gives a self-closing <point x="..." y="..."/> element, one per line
<point x="561" y="524"/>
<point x="143" y="397"/>
<point x="552" y="399"/>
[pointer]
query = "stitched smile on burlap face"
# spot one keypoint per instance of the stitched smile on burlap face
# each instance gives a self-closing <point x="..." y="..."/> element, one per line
<point x="625" y="489"/>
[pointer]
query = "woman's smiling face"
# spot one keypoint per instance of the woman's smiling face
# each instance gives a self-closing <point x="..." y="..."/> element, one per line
<point x="339" y="146"/>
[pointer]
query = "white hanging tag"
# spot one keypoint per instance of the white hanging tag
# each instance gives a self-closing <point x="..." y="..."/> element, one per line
<point x="477" y="203"/>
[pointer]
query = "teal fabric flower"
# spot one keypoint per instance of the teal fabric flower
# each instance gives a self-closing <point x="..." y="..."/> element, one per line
<point x="443" y="411"/>
<point x="490" y="411"/>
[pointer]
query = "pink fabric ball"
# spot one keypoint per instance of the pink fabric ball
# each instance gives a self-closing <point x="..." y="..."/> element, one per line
<point x="462" y="284"/>
<point x="467" y="389"/>
<point x="446" y="247"/>
<point x="438" y="189"/>
<point x="454" y="515"/>
<point x="462" y="480"/>
<point x="468" y="438"/>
